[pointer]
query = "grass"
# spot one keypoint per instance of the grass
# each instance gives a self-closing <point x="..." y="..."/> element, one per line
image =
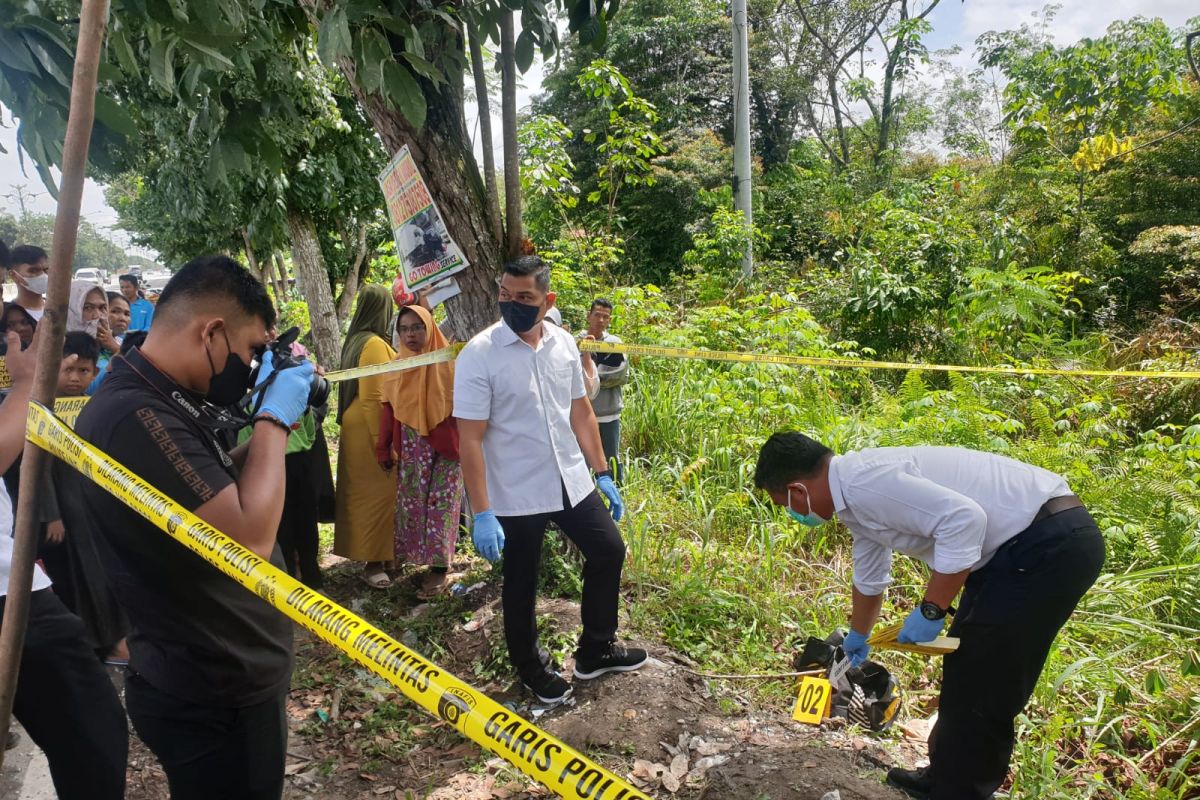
<point x="720" y="576"/>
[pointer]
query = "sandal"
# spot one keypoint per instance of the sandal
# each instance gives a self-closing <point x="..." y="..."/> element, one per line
<point x="434" y="584"/>
<point x="376" y="577"/>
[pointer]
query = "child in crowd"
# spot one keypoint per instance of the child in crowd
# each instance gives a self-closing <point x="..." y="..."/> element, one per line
<point x="18" y="320"/>
<point x="76" y="373"/>
<point x="69" y="548"/>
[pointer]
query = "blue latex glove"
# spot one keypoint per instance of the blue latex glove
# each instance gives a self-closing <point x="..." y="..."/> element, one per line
<point x="917" y="629"/>
<point x="286" y="398"/>
<point x="609" y="489"/>
<point x="856" y="648"/>
<point x="488" y="535"/>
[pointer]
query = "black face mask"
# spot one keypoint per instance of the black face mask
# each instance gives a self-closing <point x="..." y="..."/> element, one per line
<point x="519" y="316"/>
<point x="230" y="384"/>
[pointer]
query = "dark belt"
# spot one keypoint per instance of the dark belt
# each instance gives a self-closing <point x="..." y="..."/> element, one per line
<point x="1056" y="505"/>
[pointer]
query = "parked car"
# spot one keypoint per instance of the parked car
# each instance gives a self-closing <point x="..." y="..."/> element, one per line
<point x="90" y="274"/>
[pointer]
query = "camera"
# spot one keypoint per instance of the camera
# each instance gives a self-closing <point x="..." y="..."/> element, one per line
<point x="282" y="358"/>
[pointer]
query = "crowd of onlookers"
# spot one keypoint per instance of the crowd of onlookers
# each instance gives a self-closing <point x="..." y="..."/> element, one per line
<point x="100" y="324"/>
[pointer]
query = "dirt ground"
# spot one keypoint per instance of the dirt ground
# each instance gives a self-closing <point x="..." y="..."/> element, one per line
<point x="671" y="731"/>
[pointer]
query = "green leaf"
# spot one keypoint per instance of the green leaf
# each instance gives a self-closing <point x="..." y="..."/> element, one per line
<point x="49" y="30"/>
<point x="1155" y="682"/>
<point x="124" y="53"/>
<point x="1191" y="664"/>
<point x="404" y="93"/>
<point x="423" y="67"/>
<point x="14" y="54"/>
<point x="590" y="31"/>
<point x="333" y="36"/>
<point x="213" y="59"/>
<point x="375" y="51"/>
<point x="56" y="63"/>
<point x="581" y="12"/>
<point x="523" y="52"/>
<point x="162" y="64"/>
<point x="114" y="117"/>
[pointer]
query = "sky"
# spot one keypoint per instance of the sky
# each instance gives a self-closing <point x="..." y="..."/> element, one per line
<point x="955" y="23"/>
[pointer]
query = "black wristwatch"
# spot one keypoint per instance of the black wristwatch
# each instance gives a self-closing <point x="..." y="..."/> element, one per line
<point x="933" y="612"/>
<point x="605" y="474"/>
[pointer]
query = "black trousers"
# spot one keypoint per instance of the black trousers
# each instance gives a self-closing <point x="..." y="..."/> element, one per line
<point x="590" y="526"/>
<point x="68" y="705"/>
<point x="298" y="537"/>
<point x="610" y="439"/>
<point x="1009" y="614"/>
<point x="209" y="752"/>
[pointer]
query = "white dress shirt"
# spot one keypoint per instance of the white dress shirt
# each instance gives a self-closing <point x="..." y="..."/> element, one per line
<point x="40" y="580"/>
<point x="525" y="395"/>
<point x="948" y="506"/>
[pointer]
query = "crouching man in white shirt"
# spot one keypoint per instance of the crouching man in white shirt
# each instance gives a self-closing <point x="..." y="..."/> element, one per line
<point x="527" y="435"/>
<point x="1022" y="545"/>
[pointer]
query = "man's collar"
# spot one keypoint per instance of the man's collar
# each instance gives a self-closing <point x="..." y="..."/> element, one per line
<point x="835" y="485"/>
<point x="505" y="336"/>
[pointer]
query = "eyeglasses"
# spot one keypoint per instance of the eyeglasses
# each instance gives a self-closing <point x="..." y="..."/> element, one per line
<point x="403" y="329"/>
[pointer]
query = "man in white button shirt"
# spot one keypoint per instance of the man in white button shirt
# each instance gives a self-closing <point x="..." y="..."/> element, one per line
<point x="64" y="698"/>
<point x="1022" y="545"/>
<point x="527" y="435"/>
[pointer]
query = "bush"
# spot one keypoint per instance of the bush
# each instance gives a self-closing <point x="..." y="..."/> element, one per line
<point x="1173" y="253"/>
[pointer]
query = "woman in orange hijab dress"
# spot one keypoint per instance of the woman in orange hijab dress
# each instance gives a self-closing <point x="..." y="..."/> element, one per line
<point x="418" y="435"/>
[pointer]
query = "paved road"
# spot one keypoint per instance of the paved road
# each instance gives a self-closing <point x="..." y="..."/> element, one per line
<point x="25" y="775"/>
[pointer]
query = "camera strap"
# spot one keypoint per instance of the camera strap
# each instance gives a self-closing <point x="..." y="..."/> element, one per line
<point x="203" y="415"/>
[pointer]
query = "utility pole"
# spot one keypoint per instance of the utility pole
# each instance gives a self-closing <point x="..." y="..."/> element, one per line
<point x="741" y="128"/>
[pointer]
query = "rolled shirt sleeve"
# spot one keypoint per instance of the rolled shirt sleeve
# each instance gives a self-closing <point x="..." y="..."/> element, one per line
<point x="472" y="387"/>
<point x="872" y="566"/>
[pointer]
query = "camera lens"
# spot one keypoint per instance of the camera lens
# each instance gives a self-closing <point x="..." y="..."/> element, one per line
<point x="318" y="391"/>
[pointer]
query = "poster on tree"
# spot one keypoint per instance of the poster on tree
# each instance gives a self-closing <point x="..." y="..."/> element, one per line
<point x="426" y="252"/>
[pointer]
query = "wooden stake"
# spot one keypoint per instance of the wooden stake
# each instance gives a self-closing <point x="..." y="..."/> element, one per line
<point x="92" y="23"/>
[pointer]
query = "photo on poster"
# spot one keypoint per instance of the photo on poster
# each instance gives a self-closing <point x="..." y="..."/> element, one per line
<point x="426" y="252"/>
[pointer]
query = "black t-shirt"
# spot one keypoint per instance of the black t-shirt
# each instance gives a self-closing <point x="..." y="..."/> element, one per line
<point x="197" y="635"/>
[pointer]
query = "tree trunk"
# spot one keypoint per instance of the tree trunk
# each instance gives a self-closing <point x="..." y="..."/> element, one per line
<point x="279" y="278"/>
<point x="512" y="159"/>
<point x="314" y="286"/>
<point x="442" y="152"/>
<point x="350" y="285"/>
<point x="485" y="135"/>
<point x="835" y="101"/>
<point x="255" y="267"/>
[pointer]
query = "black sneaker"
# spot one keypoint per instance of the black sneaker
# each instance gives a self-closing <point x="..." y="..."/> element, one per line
<point x="548" y="687"/>
<point x="913" y="782"/>
<point x="14" y="739"/>
<point x="612" y="658"/>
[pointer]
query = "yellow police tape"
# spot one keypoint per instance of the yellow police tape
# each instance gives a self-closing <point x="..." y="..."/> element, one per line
<point x="731" y="356"/>
<point x="539" y="755"/>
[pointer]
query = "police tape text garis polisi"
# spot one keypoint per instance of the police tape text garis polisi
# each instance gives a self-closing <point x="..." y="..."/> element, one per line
<point x="540" y="751"/>
<point x="378" y="647"/>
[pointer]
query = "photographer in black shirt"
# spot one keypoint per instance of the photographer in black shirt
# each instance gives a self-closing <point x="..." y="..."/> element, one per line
<point x="210" y="663"/>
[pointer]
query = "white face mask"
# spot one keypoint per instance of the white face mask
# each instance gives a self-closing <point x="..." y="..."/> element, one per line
<point x="92" y="328"/>
<point x="39" y="284"/>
